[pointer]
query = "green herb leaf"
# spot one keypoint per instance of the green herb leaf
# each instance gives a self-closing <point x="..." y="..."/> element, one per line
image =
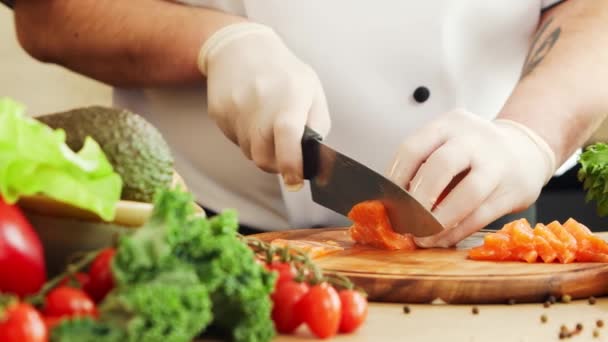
<point x="594" y="176"/>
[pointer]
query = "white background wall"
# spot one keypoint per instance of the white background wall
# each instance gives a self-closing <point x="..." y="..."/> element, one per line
<point x="43" y="88"/>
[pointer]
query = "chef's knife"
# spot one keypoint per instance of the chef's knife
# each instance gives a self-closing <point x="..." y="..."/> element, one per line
<point x="338" y="182"/>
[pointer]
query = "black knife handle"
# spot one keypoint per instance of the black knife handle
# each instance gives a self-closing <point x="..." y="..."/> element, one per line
<point x="310" y="152"/>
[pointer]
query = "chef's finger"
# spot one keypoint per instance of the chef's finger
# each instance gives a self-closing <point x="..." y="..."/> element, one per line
<point x="225" y="125"/>
<point x="438" y="171"/>
<point x="467" y="195"/>
<point x="414" y="151"/>
<point x="243" y="138"/>
<point x="495" y="206"/>
<point x="320" y="121"/>
<point x="288" y="131"/>
<point x="318" y="118"/>
<point x="262" y="147"/>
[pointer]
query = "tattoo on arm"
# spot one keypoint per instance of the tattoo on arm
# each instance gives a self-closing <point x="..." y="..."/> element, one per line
<point x="539" y="49"/>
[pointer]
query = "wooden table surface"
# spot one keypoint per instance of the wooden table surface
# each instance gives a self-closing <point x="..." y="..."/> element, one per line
<point x="493" y="323"/>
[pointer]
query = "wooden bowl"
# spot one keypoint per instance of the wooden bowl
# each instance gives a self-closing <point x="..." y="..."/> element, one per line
<point x="65" y="230"/>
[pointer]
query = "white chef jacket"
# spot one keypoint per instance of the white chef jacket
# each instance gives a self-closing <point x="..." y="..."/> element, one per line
<point x="371" y="57"/>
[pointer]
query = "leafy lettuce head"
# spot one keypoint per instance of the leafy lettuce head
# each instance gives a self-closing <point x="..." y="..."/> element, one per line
<point x="34" y="159"/>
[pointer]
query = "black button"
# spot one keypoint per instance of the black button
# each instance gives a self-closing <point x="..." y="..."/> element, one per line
<point x="421" y="94"/>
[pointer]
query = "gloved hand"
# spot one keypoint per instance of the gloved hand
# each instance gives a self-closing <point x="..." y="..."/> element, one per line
<point x="261" y="96"/>
<point x="505" y="165"/>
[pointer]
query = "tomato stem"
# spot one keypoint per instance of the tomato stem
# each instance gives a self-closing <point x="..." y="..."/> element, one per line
<point x="304" y="265"/>
<point x="71" y="269"/>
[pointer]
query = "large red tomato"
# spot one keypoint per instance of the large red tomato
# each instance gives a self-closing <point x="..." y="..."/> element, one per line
<point x="22" y="267"/>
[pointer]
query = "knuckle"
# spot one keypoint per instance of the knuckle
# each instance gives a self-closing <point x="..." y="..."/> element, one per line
<point x="245" y="144"/>
<point x="263" y="162"/>
<point x="476" y="189"/>
<point x="313" y="79"/>
<point x="460" y="113"/>
<point x="447" y="159"/>
<point x="407" y="148"/>
<point x="284" y="126"/>
<point x="262" y="153"/>
<point x="214" y="109"/>
<point x="259" y="87"/>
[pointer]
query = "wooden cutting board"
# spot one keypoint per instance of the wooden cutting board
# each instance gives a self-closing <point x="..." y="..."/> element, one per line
<point x="425" y="275"/>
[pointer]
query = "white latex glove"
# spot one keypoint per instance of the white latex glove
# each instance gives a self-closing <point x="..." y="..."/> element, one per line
<point x="261" y="96"/>
<point x="507" y="165"/>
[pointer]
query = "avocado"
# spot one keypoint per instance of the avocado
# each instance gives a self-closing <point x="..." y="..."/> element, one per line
<point x="134" y="147"/>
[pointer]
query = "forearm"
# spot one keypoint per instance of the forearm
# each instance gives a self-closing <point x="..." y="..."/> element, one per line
<point x="122" y="43"/>
<point x="562" y="92"/>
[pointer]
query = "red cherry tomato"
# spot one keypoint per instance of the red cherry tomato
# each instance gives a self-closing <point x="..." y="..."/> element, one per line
<point x="321" y="310"/>
<point x="286" y="271"/>
<point x="354" y="310"/>
<point x="101" y="280"/>
<point x="78" y="280"/>
<point x="67" y="301"/>
<point x="22" y="267"/>
<point x="20" y="322"/>
<point x="284" y="314"/>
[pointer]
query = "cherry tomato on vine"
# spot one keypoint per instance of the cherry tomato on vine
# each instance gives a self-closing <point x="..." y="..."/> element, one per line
<point x="284" y="314"/>
<point x="285" y="270"/>
<point x="79" y="279"/>
<point x="321" y="310"/>
<point x="65" y="301"/>
<point x="354" y="310"/>
<point x="101" y="280"/>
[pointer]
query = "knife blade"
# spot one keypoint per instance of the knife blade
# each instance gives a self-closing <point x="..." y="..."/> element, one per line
<point x="339" y="182"/>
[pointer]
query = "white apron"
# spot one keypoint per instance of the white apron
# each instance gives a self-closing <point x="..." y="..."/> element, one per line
<point x="371" y="56"/>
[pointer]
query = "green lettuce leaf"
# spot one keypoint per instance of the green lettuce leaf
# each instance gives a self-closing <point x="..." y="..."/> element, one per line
<point x="34" y="159"/>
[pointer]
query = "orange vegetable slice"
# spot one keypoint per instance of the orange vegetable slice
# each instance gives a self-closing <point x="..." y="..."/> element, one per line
<point x="544" y="249"/>
<point x="568" y="254"/>
<point x="522" y="241"/>
<point x="565" y="243"/>
<point x="371" y="227"/>
<point x="590" y="247"/>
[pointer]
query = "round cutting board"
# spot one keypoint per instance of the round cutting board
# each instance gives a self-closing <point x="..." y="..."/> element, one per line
<point x="425" y="275"/>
